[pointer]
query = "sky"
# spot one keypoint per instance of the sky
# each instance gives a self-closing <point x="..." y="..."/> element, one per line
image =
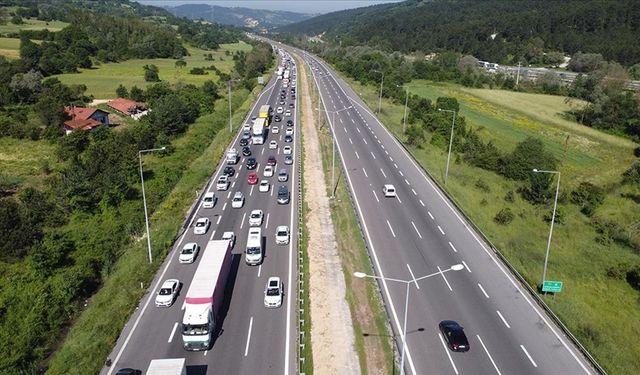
<point x="298" y="6"/>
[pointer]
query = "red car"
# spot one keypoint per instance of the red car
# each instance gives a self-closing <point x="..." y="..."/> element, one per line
<point x="252" y="178"/>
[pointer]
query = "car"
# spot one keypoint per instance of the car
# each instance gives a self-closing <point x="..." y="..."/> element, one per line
<point x="282" y="235"/>
<point x="287" y="113"/>
<point x="246" y="151"/>
<point x="288" y="159"/>
<point x="289" y="122"/>
<point x="279" y="110"/>
<point x="291" y="105"/>
<point x="189" y="253"/>
<point x="231" y="237"/>
<point x="167" y="293"/>
<point x="454" y="336"/>
<point x="209" y="200"/>
<point x="275" y="130"/>
<point x="281" y="102"/>
<point x="268" y="171"/>
<point x="202" y="226"/>
<point x="289" y="131"/>
<point x="251" y="163"/>
<point x="273" y="292"/>
<point x="293" y="96"/>
<point x="273" y="145"/>
<point x="244" y="142"/>
<point x="283" y="176"/>
<point x="283" y="195"/>
<point x="255" y="218"/>
<point x="288" y="138"/>
<point x="264" y="186"/>
<point x="246" y="128"/>
<point x="238" y="200"/>
<point x="253" y="118"/>
<point x="277" y="118"/>
<point x="222" y="183"/>
<point x="252" y="178"/>
<point x="389" y="191"/>
<point x="286" y="150"/>
<point x="271" y="160"/>
<point x="229" y="171"/>
<point x="246" y="135"/>
<point x="128" y="371"/>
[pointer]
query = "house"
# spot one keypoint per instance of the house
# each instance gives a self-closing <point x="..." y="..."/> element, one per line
<point x="128" y="107"/>
<point x="84" y="118"/>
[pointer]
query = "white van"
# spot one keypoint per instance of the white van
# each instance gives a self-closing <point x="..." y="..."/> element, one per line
<point x="209" y="200"/>
<point x="389" y="190"/>
<point x="253" y="254"/>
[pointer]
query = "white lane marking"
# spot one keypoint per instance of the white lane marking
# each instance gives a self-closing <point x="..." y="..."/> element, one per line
<point x="407" y="181"/>
<point x="489" y="355"/>
<point x="414" y="227"/>
<point x="270" y="189"/>
<point x="365" y="141"/>
<point x="219" y="218"/>
<point x="344" y="128"/>
<point x="445" y="279"/>
<point x="372" y="154"/>
<point x="229" y="194"/>
<point x="233" y="184"/>
<point x="467" y="267"/>
<point x="340" y="119"/>
<point x="246" y="349"/>
<point x="453" y="247"/>
<point x="350" y="116"/>
<point x="446" y="350"/>
<point x="173" y="331"/>
<point x="401" y="174"/>
<point x="262" y="152"/>
<point x="358" y="156"/>
<point x="240" y="167"/>
<point x="413" y="277"/>
<point x="390" y="158"/>
<point x="440" y="229"/>
<point x="414" y="191"/>
<point x="266" y="225"/>
<point x="482" y="289"/>
<point x="528" y="356"/>
<point x="205" y="352"/>
<point x="251" y="192"/>
<point x="395" y="165"/>
<point x="381" y="145"/>
<point x="358" y="129"/>
<point x="183" y="305"/>
<point x="376" y="195"/>
<point x="422" y="203"/>
<point x="431" y="216"/>
<point x="386" y="152"/>
<point x="242" y="221"/>
<point x="350" y="141"/>
<point x="365" y="173"/>
<point x="224" y="206"/>
<point x="385" y="176"/>
<point x="259" y="270"/>
<point x="213" y="233"/>
<point x="398" y="198"/>
<point x="391" y="229"/>
<point x="503" y="319"/>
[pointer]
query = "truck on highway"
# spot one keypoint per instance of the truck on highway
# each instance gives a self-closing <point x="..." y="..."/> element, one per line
<point x="265" y="111"/>
<point x="258" y="131"/>
<point x="280" y="72"/>
<point x="172" y="366"/>
<point x="206" y="296"/>
<point x="286" y="74"/>
<point x="232" y="156"/>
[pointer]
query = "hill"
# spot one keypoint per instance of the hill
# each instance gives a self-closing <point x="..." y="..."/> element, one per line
<point x="236" y="16"/>
<point x="492" y="30"/>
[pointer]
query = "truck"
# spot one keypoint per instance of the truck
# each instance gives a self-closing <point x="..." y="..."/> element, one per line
<point x="172" y="366"/>
<point x="280" y="72"/>
<point x="232" y="156"/>
<point x="286" y="74"/>
<point x="205" y="296"/>
<point x="258" y="131"/>
<point x="265" y="111"/>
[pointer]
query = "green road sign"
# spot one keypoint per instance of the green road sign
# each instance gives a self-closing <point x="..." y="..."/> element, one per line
<point x="552" y="286"/>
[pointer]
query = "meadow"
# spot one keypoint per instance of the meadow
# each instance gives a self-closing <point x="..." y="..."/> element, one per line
<point x="10" y="48"/>
<point x="32" y="24"/>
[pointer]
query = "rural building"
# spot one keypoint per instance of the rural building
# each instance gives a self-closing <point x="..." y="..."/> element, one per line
<point x="84" y="118"/>
<point x="128" y="107"/>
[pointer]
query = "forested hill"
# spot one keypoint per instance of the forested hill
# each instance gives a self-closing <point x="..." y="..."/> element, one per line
<point x="493" y="30"/>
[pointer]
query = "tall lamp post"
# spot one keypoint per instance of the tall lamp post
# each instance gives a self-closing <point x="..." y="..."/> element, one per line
<point x="229" y="84"/>
<point x="381" y="84"/>
<point x="333" y="152"/>
<point x="453" y="124"/>
<point x="362" y="275"/>
<point x="553" y="220"/>
<point x="406" y="102"/>
<point x="144" y="198"/>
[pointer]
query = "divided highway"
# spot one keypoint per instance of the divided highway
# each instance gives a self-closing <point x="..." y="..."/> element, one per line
<point x="252" y="339"/>
<point x="419" y="233"/>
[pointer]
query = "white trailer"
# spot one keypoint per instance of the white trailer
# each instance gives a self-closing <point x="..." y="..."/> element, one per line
<point x="172" y="366"/>
<point x="258" y="131"/>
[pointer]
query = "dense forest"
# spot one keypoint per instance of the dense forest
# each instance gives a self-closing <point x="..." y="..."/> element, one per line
<point x="493" y="30"/>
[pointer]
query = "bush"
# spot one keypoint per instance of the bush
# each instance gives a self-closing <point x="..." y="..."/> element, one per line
<point x="482" y="185"/>
<point x="588" y="196"/>
<point x="510" y="196"/>
<point x="198" y="71"/>
<point x="504" y="216"/>
<point x="528" y="154"/>
<point x="632" y="175"/>
<point x="559" y="216"/>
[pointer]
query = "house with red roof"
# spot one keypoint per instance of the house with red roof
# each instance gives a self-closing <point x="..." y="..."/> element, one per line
<point x="128" y="107"/>
<point x="84" y="118"/>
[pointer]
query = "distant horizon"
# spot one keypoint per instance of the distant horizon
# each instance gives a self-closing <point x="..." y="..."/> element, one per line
<point x="303" y="7"/>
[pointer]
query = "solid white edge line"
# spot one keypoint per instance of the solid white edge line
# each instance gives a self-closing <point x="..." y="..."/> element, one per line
<point x="528" y="356"/>
<point x="246" y="348"/>
<point x="173" y="332"/>
<point x="483" y="291"/>
<point x="489" y="355"/>
<point x="446" y="350"/>
<point x="503" y="319"/>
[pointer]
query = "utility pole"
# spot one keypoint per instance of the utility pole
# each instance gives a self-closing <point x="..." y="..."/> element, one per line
<point x="518" y="74"/>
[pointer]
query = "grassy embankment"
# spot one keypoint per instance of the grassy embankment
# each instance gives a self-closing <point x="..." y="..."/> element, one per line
<point x="373" y="342"/>
<point x="591" y="304"/>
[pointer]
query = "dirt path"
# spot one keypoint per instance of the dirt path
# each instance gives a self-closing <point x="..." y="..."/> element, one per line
<point x="332" y="336"/>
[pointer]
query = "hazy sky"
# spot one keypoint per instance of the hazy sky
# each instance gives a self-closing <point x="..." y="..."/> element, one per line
<point x="298" y="6"/>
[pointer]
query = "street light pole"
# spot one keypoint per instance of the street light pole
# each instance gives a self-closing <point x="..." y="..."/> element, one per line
<point x="144" y="199"/>
<point x="406" y="102"/>
<point x="553" y="220"/>
<point x="333" y="139"/>
<point x="380" y="98"/>
<point x="453" y="124"/>
<point x="229" y="85"/>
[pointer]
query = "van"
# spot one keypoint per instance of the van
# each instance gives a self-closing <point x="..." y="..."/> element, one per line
<point x="232" y="156"/>
<point x="253" y="254"/>
<point x="209" y="200"/>
<point x="389" y="190"/>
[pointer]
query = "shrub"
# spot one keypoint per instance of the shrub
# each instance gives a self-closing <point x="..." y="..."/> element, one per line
<point x="588" y="196"/>
<point x="559" y="216"/>
<point x="504" y="216"/>
<point x="510" y="196"/>
<point x="528" y="154"/>
<point x="198" y="71"/>
<point x="482" y="185"/>
<point x="632" y="175"/>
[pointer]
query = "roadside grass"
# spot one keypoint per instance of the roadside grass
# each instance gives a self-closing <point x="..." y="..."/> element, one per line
<point x="26" y="160"/>
<point x="591" y="304"/>
<point x="103" y="80"/>
<point x="373" y="340"/>
<point x="95" y="331"/>
<point x="32" y="24"/>
<point x="10" y="48"/>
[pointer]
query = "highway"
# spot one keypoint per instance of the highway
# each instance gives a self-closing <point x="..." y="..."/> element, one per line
<point x="252" y="338"/>
<point x="420" y="233"/>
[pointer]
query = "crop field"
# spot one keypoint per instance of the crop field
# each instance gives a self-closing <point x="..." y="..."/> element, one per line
<point x="10" y="48"/>
<point x="32" y="24"/>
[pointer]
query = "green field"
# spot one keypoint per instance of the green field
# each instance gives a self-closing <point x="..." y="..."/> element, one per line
<point x="32" y="24"/>
<point x="10" y="48"/>
<point x="25" y="160"/>
<point x="592" y="305"/>
<point x="102" y="80"/>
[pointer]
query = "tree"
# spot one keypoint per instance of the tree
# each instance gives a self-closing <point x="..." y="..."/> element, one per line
<point x="17" y="20"/>
<point x="180" y="63"/>
<point x="448" y="103"/>
<point x="51" y="253"/>
<point x="528" y="154"/>
<point x="554" y="58"/>
<point x="151" y="73"/>
<point x="588" y="196"/>
<point x="137" y="94"/>
<point x="122" y="92"/>
<point x="415" y="136"/>
<point x="26" y="86"/>
<point x="50" y="110"/>
<point x="585" y="62"/>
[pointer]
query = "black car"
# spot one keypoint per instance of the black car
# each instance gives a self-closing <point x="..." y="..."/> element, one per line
<point x="291" y="105"/>
<point x="128" y="371"/>
<point x="228" y="171"/>
<point x="288" y="138"/>
<point x="246" y="151"/>
<point x="251" y="163"/>
<point x="454" y="336"/>
<point x="277" y="118"/>
<point x="244" y="142"/>
<point x="283" y="195"/>
<point x="289" y="122"/>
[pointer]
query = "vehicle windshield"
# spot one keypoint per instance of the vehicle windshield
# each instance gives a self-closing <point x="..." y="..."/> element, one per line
<point x="282" y="234"/>
<point x="273" y="291"/>
<point x="198" y="329"/>
<point x="208" y="199"/>
<point x="253" y="250"/>
<point x="187" y="251"/>
<point x="200" y="224"/>
<point x="165" y="292"/>
<point x="255" y="216"/>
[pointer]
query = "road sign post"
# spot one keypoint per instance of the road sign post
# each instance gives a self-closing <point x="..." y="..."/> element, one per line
<point x="552" y="286"/>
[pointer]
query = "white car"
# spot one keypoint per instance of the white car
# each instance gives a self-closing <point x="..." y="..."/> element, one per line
<point x="275" y="130"/>
<point x="268" y="171"/>
<point x="209" y="200"/>
<point x="229" y="236"/>
<point x="246" y="128"/>
<point x="264" y="186"/>
<point x="279" y="110"/>
<point x="222" y="183"/>
<point x="189" y="253"/>
<point x="286" y="150"/>
<point x="289" y="131"/>
<point x="273" y="145"/>
<point x="238" y="200"/>
<point x="282" y="235"/>
<point x="273" y="292"/>
<point x="168" y="292"/>
<point x="389" y="191"/>
<point x="283" y="176"/>
<point x="202" y="226"/>
<point x="255" y="218"/>
<point x="287" y="113"/>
